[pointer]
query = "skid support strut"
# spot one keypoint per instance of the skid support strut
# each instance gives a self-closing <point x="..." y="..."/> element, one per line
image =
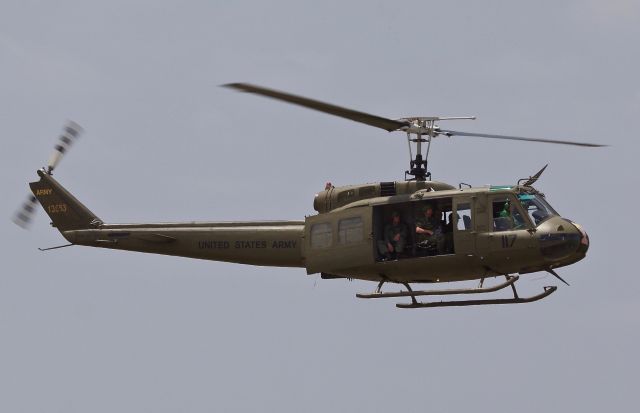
<point x="510" y="282"/>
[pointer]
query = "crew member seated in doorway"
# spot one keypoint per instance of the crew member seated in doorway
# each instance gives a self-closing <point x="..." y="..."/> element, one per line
<point x="395" y="236"/>
<point x="429" y="231"/>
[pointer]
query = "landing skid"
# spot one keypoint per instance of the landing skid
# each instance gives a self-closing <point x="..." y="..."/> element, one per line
<point x="547" y="291"/>
<point x="510" y="282"/>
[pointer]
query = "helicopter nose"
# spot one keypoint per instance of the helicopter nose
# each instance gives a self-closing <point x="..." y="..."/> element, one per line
<point x="564" y="239"/>
<point x="584" y="240"/>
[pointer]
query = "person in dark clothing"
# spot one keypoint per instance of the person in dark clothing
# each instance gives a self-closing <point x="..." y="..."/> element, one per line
<point x="429" y="230"/>
<point x="395" y="237"/>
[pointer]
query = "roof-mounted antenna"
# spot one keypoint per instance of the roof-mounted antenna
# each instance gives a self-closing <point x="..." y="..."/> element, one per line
<point x="532" y="179"/>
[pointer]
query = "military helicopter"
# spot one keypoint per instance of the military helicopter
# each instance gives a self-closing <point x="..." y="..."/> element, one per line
<point x="411" y="232"/>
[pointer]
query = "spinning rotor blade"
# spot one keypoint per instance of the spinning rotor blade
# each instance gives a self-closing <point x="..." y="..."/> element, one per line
<point x="372" y="120"/>
<point x="70" y="133"/>
<point x="517" y="138"/>
<point x="24" y="215"/>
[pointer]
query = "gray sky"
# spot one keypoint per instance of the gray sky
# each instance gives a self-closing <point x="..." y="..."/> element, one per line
<point x="95" y="330"/>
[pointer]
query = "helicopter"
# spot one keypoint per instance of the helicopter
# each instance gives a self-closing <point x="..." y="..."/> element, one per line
<point x="416" y="231"/>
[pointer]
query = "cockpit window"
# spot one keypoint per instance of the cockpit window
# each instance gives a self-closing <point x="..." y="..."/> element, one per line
<point x="506" y="215"/>
<point x="537" y="207"/>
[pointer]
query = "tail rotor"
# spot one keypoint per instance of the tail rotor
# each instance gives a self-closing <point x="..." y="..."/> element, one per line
<point x="24" y="215"/>
<point x="70" y="133"/>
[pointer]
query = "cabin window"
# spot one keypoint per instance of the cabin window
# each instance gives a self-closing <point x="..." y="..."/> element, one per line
<point x="350" y="231"/>
<point x="463" y="217"/>
<point x="321" y="235"/>
<point x="506" y="215"/>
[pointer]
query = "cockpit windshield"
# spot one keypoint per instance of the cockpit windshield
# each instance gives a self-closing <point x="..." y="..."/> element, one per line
<point x="537" y="207"/>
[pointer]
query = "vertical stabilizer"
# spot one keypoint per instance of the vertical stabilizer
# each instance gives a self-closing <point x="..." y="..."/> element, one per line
<point x="65" y="211"/>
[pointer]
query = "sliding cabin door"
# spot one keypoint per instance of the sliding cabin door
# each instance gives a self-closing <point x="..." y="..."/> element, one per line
<point x="338" y="241"/>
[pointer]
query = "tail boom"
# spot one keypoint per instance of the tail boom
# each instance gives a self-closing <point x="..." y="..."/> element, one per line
<point x="269" y="243"/>
<point x="255" y="243"/>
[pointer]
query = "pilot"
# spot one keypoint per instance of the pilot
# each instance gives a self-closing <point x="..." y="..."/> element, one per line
<point x="506" y="210"/>
<point x="429" y="230"/>
<point x="395" y="236"/>
<point x="513" y="219"/>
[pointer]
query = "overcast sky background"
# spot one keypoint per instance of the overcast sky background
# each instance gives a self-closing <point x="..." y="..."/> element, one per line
<point x="95" y="330"/>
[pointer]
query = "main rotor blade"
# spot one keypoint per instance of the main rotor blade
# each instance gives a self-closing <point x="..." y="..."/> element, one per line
<point x="366" y="118"/>
<point x="518" y="138"/>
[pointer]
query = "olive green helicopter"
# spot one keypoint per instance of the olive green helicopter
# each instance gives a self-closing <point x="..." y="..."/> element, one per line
<point x="409" y="232"/>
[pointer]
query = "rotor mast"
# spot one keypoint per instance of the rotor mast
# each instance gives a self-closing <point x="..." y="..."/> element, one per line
<point x="425" y="129"/>
<point x="418" y="165"/>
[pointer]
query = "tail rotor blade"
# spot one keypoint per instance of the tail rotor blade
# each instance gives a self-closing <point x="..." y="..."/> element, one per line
<point x="24" y="215"/>
<point x="70" y="133"/>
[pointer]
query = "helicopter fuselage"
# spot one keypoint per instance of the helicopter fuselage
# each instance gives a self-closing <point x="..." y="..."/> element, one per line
<point x="416" y="231"/>
<point x="479" y="235"/>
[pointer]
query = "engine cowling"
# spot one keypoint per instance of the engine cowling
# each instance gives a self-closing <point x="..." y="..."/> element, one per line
<point x="336" y="197"/>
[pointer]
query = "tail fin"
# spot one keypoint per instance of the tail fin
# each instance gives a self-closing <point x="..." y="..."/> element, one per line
<point x="65" y="211"/>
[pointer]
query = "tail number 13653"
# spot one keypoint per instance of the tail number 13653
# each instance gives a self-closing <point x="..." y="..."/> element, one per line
<point x="57" y="208"/>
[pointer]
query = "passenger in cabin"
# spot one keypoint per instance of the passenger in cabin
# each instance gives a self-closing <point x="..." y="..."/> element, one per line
<point x="395" y="237"/>
<point x="429" y="231"/>
<point x="449" y="225"/>
<point x="448" y="234"/>
<point x="441" y="218"/>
